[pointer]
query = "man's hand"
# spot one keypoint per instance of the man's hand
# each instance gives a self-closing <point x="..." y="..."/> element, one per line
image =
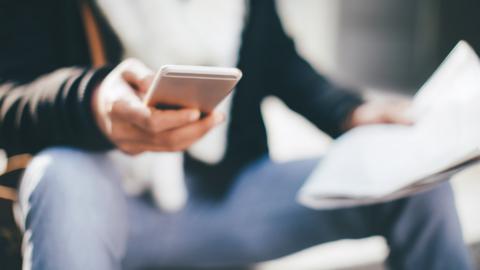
<point x="135" y="128"/>
<point x="380" y="112"/>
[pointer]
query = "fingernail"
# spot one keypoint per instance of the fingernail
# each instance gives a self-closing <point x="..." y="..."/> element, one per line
<point x="194" y="115"/>
<point x="218" y="118"/>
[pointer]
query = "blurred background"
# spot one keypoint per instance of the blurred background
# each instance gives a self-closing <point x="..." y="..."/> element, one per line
<point x="385" y="47"/>
<point x="393" y="44"/>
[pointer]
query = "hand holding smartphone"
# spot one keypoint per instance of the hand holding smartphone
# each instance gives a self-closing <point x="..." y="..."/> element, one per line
<point x="123" y="117"/>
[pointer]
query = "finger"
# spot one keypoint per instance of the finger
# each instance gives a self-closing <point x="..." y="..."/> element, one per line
<point x="131" y="78"/>
<point x="401" y="118"/>
<point x="125" y="132"/>
<point x="135" y="66"/>
<point x="136" y="73"/>
<point x="135" y="148"/>
<point x="180" y="138"/>
<point x="131" y="111"/>
<point x="152" y="120"/>
<point x="141" y="84"/>
<point x="131" y="149"/>
<point x="140" y="147"/>
<point x="399" y="114"/>
<point x="163" y="120"/>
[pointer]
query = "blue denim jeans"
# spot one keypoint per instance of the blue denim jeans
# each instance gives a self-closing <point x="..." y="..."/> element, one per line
<point x="78" y="217"/>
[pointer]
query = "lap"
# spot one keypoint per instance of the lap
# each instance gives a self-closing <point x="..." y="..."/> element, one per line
<point x="259" y="218"/>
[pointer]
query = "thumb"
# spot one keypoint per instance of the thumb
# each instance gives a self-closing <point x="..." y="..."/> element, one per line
<point x="136" y="74"/>
<point x="141" y="85"/>
<point x="136" y="67"/>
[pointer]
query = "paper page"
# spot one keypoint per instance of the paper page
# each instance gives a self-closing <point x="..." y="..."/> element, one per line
<point x="323" y="202"/>
<point x="374" y="161"/>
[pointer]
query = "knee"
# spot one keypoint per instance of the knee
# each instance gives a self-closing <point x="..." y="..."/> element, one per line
<point x="68" y="201"/>
<point x="63" y="177"/>
<point x="438" y="202"/>
<point x="433" y="209"/>
<point x="56" y="171"/>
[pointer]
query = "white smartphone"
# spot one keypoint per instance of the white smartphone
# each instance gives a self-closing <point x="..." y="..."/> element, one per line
<point x="196" y="87"/>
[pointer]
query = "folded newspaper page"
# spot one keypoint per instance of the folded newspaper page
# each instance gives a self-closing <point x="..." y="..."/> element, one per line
<point x="380" y="163"/>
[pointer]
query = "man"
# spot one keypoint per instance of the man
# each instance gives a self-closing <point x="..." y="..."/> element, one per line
<point x="242" y="209"/>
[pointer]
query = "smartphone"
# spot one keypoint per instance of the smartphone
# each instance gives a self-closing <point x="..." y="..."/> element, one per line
<point x="196" y="87"/>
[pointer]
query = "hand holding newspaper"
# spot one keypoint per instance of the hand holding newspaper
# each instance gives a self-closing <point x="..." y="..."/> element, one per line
<point x="379" y="163"/>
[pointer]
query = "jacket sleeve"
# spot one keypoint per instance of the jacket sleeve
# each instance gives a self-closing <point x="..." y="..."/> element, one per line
<point x="42" y="104"/>
<point x="299" y="85"/>
<point x="53" y="110"/>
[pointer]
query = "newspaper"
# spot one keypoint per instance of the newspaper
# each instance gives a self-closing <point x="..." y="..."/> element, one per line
<point x="379" y="163"/>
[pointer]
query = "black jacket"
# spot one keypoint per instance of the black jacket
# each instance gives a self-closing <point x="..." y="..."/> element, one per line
<point x="46" y="82"/>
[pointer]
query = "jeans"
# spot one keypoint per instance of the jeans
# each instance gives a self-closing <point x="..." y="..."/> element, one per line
<point x="76" y="216"/>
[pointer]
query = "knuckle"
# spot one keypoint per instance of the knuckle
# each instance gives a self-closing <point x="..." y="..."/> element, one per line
<point x="202" y="129"/>
<point x="151" y="125"/>
<point x="111" y="111"/>
<point x="158" y="140"/>
<point x="119" y="108"/>
<point x="114" y="108"/>
<point x="114" y="136"/>
<point x="170" y="139"/>
<point x="161" y="139"/>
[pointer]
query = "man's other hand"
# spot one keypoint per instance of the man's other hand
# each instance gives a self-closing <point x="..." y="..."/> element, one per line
<point x="381" y="112"/>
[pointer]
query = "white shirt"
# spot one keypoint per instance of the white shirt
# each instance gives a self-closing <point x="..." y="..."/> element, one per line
<point x="160" y="32"/>
<point x="190" y="32"/>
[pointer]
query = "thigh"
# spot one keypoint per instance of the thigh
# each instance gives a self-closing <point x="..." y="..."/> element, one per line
<point x="262" y="213"/>
<point x="258" y="220"/>
<point x="71" y="200"/>
<point x="263" y="209"/>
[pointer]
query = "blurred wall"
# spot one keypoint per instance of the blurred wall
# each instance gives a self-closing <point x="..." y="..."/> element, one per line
<point x="393" y="44"/>
<point x="388" y="43"/>
<point x="314" y="26"/>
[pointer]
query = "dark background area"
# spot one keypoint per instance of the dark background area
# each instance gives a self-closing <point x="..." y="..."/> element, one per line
<point x="397" y="44"/>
